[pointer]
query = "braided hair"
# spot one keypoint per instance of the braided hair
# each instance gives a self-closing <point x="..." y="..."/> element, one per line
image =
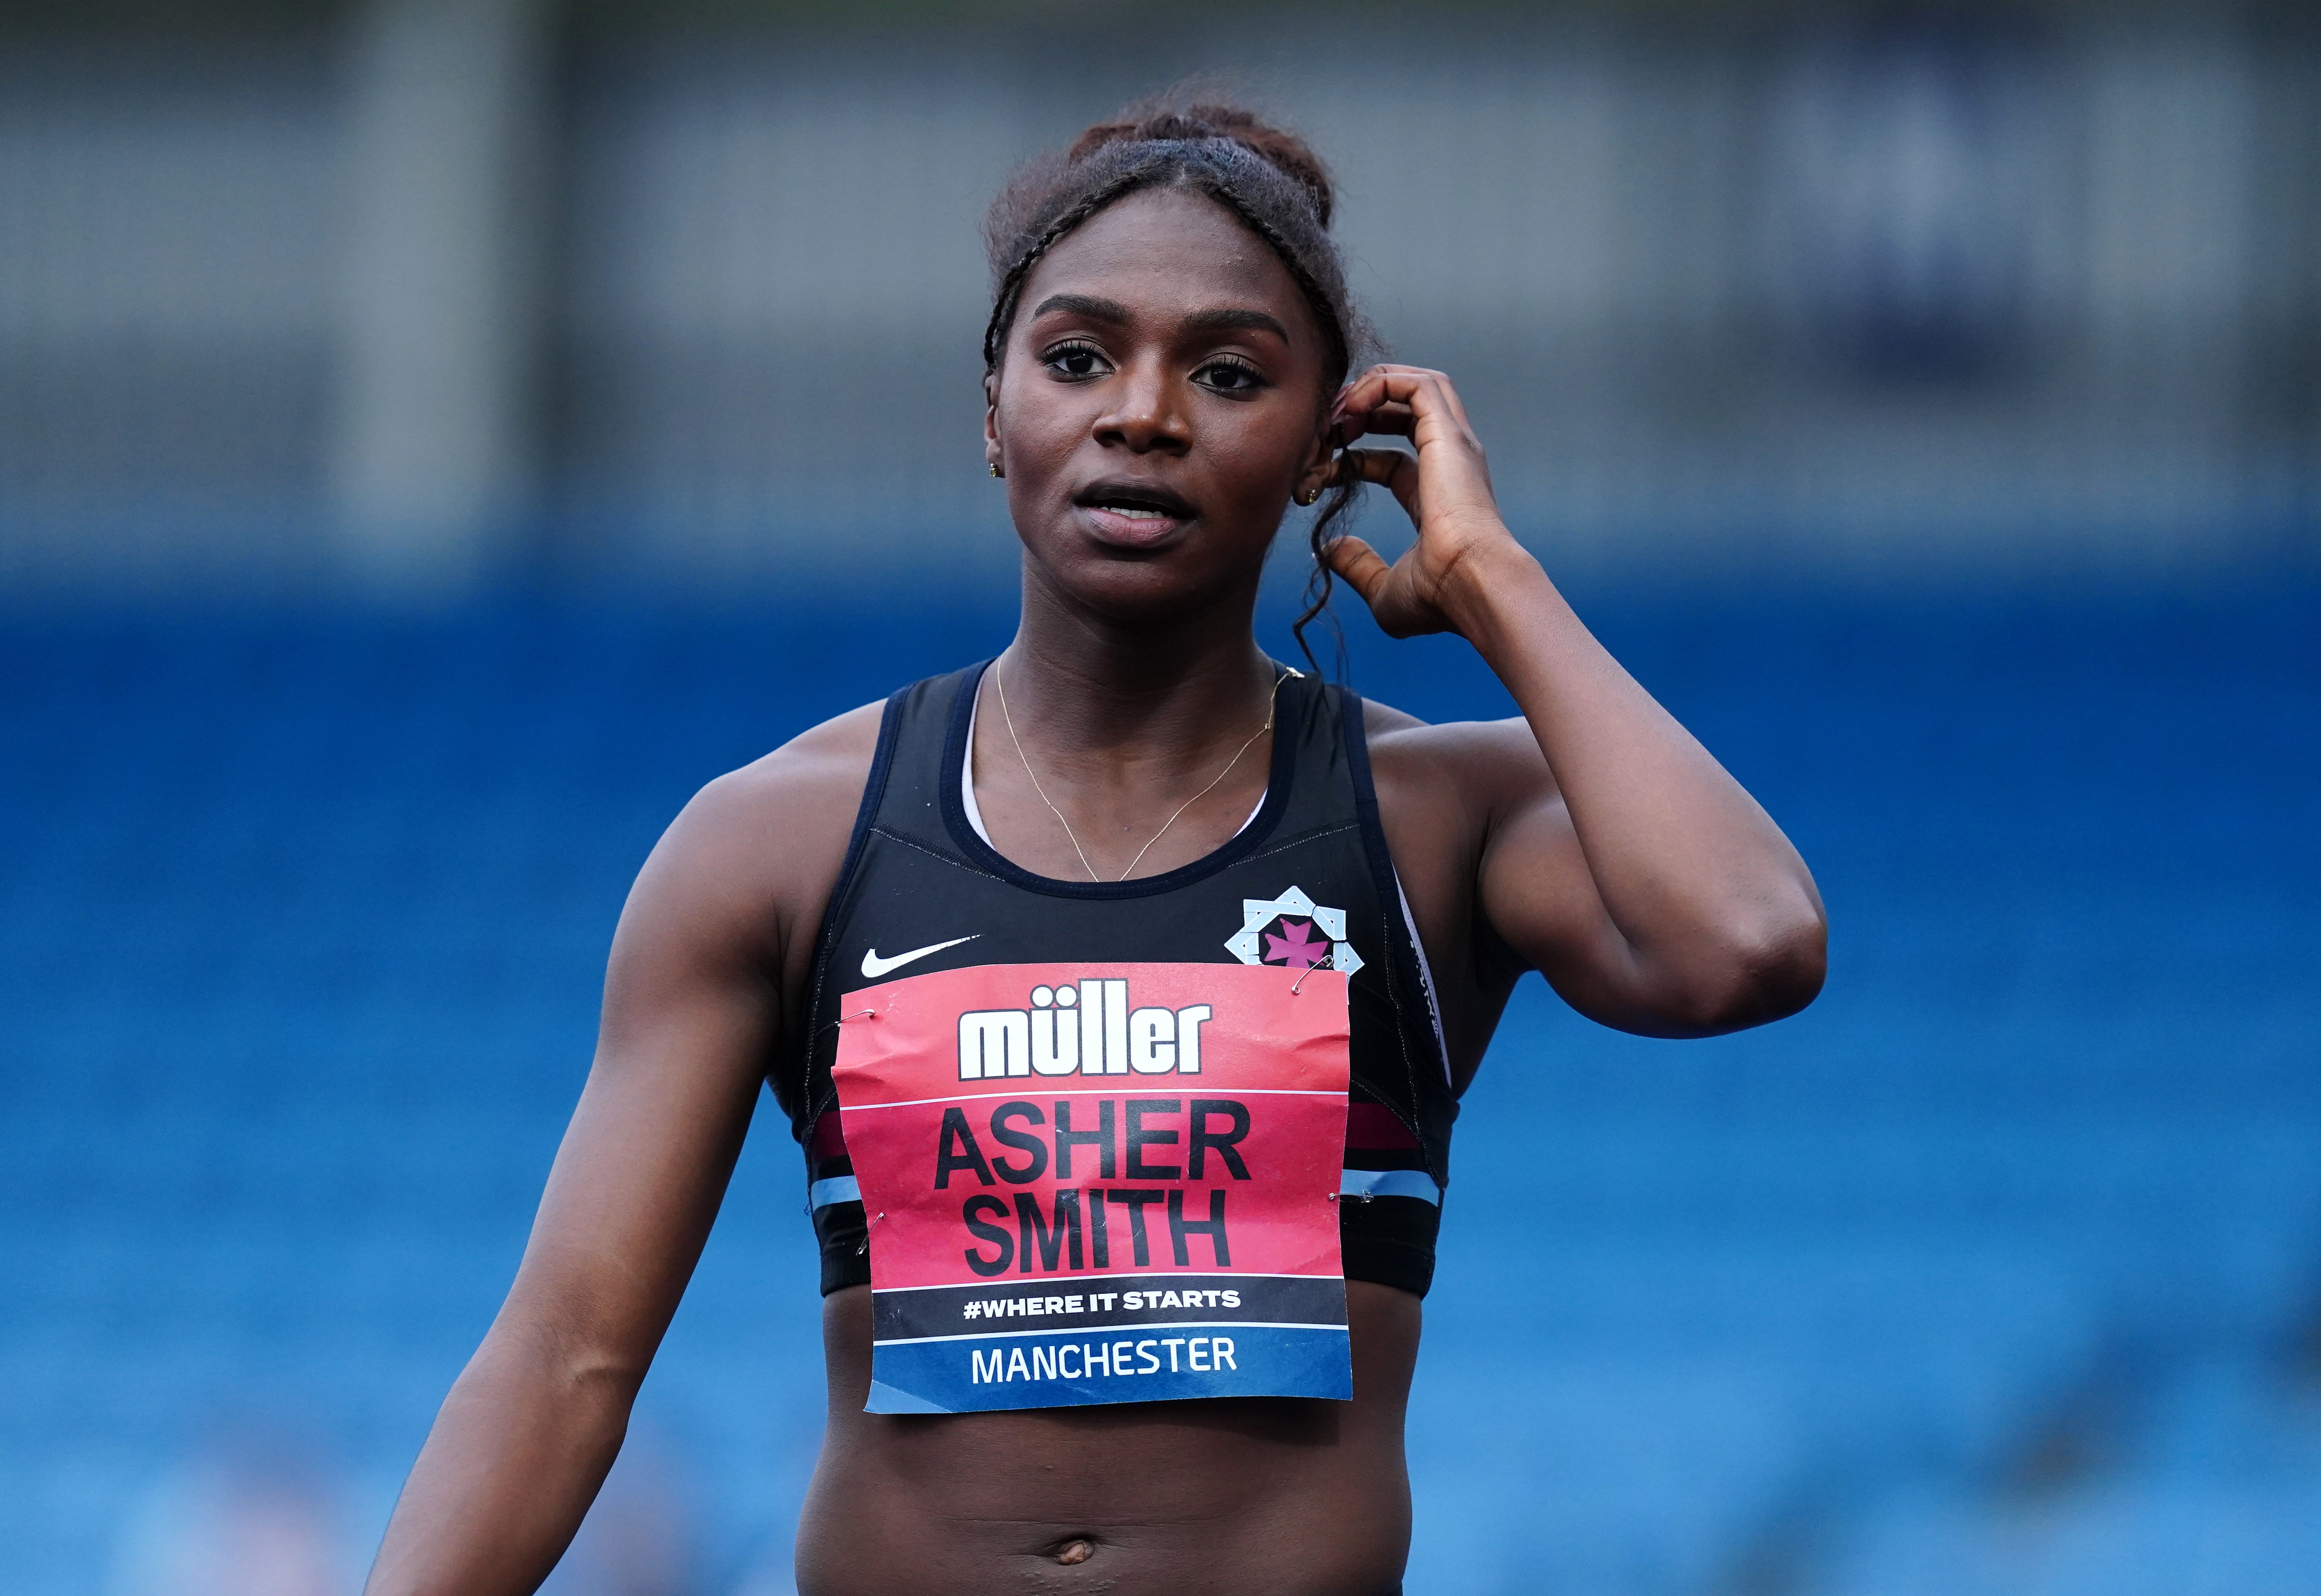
<point x="1268" y="178"/>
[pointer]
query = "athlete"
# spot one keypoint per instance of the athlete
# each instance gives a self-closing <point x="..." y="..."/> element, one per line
<point x="1120" y="990"/>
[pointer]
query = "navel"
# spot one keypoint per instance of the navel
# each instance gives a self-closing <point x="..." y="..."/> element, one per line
<point x="1075" y="1551"/>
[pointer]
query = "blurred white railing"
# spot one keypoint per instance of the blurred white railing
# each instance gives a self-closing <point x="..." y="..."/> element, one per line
<point x="704" y="303"/>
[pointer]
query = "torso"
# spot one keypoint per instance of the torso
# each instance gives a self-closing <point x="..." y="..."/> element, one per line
<point x="1224" y="1495"/>
<point x="1235" y="1497"/>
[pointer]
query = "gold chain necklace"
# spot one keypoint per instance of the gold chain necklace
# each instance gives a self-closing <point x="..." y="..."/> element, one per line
<point x="1000" y="681"/>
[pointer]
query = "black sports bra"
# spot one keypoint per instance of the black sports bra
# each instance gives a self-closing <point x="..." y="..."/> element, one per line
<point x="1307" y="883"/>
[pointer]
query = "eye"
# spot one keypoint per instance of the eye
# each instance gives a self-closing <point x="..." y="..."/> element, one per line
<point x="1076" y="361"/>
<point x="1229" y="377"/>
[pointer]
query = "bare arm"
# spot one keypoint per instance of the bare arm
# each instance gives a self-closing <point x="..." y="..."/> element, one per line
<point x="692" y="1007"/>
<point x="1617" y="855"/>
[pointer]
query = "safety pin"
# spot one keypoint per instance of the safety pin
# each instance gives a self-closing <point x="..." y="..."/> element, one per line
<point x="1300" y="981"/>
<point x="857" y="1014"/>
<point x="867" y="1229"/>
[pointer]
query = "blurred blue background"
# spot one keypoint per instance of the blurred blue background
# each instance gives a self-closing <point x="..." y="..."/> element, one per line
<point x="435" y="438"/>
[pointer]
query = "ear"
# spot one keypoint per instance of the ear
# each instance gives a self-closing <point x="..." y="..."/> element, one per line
<point x="992" y="453"/>
<point x="1321" y="467"/>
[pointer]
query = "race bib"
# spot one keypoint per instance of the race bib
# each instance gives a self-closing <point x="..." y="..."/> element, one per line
<point x="1100" y="1182"/>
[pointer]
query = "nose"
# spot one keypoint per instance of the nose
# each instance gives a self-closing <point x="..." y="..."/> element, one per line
<point x="1147" y="414"/>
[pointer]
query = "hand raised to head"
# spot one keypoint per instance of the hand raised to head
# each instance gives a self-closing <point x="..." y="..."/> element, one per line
<point x="1445" y="488"/>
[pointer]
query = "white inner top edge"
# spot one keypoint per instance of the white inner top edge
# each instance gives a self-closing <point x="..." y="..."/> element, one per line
<point x="1425" y="972"/>
<point x="966" y="780"/>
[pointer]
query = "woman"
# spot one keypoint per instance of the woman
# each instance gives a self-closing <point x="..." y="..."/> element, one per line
<point x="929" y="925"/>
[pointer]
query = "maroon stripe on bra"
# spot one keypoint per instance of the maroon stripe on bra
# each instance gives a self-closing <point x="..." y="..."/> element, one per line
<point x="828" y="1138"/>
<point x="1373" y="1127"/>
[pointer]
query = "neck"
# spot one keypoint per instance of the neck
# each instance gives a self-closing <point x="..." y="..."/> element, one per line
<point x="1157" y="692"/>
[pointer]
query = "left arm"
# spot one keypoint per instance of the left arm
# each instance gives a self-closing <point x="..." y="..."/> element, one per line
<point x="1618" y="856"/>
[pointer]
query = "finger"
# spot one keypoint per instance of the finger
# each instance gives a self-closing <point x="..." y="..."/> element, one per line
<point x="1387" y="372"/>
<point x="1412" y="388"/>
<point x="1360" y="566"/>
<point x="1440" y="388"/>
<point x="1393" y="468"/>
<point x="1386" y="420"/>
<point x="1405" y="384"/>
<point x="1434" y="398"/>
<point x="1367" y="465"/>
<point x="1382" y="466"/>
<point x="1435" y="416"/>
<point x="1367" y="392"/>
<point x="1446" y="397"/>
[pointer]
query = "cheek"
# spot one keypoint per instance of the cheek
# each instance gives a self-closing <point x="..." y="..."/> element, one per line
<point x="1268" y="448"/>
<point x="1041" y="427"/>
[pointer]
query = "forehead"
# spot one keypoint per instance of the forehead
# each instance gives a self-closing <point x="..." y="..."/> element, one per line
<point x="1166" y="252"/>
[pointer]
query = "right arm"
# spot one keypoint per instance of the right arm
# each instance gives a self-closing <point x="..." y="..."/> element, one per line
<point x="723" y="911"/>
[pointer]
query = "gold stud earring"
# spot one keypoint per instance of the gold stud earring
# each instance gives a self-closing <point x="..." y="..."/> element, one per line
<point x="994" y="467"/>
<point x="1306" y="498"/>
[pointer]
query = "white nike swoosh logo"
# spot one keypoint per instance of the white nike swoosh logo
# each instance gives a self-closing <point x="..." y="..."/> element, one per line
<point x="873" y="966"/>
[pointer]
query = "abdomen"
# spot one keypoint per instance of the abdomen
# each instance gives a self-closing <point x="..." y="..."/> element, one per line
<point x="1281" y="1496"/>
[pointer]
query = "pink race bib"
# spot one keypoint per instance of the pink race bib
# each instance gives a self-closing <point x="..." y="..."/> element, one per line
<point x="1100" y="1182"/>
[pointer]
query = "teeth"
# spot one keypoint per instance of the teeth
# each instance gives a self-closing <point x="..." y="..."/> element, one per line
<point x="1136" y="512"/>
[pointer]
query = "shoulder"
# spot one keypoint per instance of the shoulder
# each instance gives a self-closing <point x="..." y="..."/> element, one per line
<point x="1475" y="764"/>
<point x="827" y="762"/>
<point x="1444" y="792"/>
<point x="758" y="850"/>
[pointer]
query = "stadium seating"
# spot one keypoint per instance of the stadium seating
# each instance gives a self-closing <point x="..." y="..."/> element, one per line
<point x="302" y="914"/>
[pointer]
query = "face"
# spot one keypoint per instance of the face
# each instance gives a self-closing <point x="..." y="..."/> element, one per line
<point x="1159" y="401"/>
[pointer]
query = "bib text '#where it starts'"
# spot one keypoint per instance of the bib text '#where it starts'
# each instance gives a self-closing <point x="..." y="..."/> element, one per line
<point x="1100" y="1182"/>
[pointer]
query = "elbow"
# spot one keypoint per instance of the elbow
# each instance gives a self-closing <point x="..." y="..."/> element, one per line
<point x="592" y="1361"/>
<point x="604" y="1377"/>
<point x="1795" y="965"/>
<point x="1763" y="971"/>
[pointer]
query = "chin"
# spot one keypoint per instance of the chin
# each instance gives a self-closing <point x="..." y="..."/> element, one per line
<point x="1141" y="586"/>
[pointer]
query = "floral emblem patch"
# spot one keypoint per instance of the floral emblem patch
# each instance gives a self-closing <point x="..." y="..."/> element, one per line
<point x="1293" y="932"/>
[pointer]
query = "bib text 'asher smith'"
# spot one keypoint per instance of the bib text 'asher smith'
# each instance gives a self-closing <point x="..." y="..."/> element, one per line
<point x="1099" y="1183"/>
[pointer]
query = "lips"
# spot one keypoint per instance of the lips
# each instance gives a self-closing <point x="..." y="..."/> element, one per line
<point x="1133" y="515"/>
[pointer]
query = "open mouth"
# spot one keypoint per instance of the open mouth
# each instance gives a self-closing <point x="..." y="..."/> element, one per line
<point x="1132" y="513"/>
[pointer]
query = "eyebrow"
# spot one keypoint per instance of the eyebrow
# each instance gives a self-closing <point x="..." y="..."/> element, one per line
<point x="1095" y="309"/>
<point x="1200" y="321"/>
<point x="1221" y="321"/>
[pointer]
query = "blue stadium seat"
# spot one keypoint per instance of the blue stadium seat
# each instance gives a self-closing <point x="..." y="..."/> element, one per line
<point x="303" y="914"/>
